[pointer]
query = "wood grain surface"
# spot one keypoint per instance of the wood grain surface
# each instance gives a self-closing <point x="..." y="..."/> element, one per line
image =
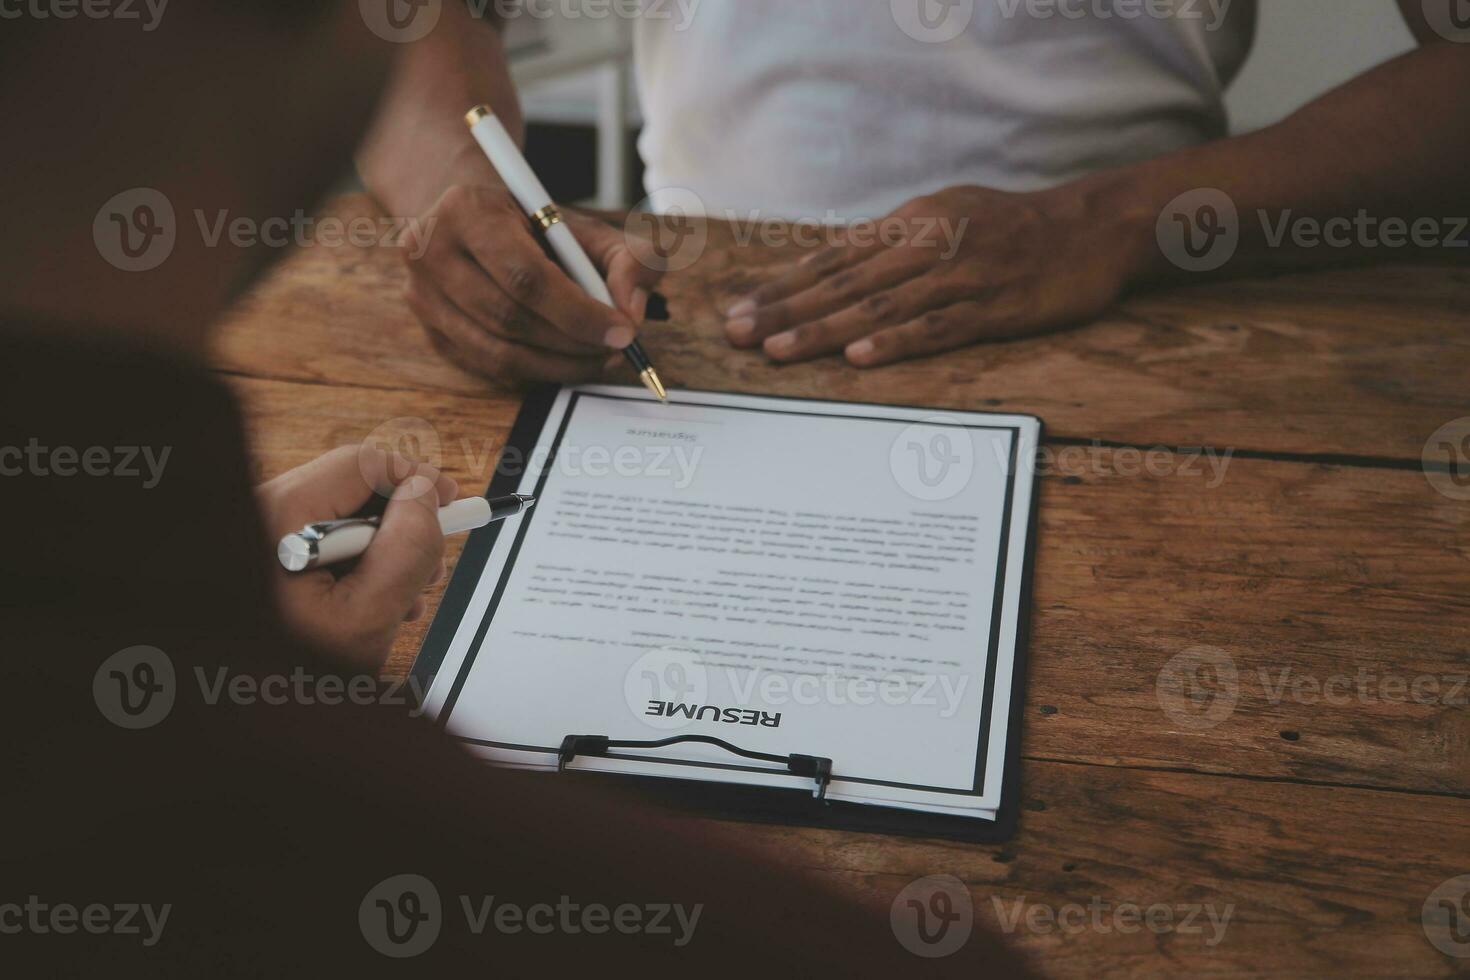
<point x="1351" y="362"/>
<point x="1314" y="779"/>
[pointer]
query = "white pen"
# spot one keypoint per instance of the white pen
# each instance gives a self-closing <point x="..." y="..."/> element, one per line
<point x="332" y="542"/>
<point x="532" y="196"/>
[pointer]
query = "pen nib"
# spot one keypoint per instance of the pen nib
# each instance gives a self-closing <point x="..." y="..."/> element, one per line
<point x="652" y="382"/>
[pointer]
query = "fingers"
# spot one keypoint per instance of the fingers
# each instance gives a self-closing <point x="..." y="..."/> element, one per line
<point x="339" y="484"/>
<point x="807" y="273"/>
<point x="420" y="607"/>
<point x="383" y="472"/>
<point x="406" y="552"/>
<point x="629" y="280"/>
<point x="499" y="239"/>
<point x="359" y="614"/>
<point x="842" y="290"/>
<point x="465" y="342"/>
<point x="419" y="610"/>
<point x="483" y="284"/>
<point x="936" y="332"/>
<point x="877" y="311"/>
<point x="486" y="305"/>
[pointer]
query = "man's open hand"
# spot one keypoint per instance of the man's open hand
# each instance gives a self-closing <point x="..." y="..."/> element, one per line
<point x="960" y="267"/>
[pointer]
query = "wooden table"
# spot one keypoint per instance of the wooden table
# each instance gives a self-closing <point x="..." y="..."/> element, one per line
<point x="1322" y="823"/>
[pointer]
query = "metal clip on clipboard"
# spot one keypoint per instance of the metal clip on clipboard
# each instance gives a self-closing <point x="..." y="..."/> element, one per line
<point x="808" y="766"/>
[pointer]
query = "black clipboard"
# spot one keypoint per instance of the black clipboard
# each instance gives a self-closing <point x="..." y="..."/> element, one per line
<point x="793" y="807"/>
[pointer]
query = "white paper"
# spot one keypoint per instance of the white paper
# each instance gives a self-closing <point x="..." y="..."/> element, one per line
<point x="789" y="576"/>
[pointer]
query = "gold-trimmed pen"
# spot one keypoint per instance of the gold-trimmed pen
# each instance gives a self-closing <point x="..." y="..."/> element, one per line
<point x="528" y="190"/>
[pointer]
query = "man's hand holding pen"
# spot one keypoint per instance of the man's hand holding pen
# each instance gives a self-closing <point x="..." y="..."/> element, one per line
<point x="1019" y="264"/>
<point x="357" y="613"/>
<point x="493" y="301"/>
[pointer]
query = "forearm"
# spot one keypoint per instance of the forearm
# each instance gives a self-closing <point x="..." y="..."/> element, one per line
<point x="418" y="146"/>
<point x="1375" y="156"/>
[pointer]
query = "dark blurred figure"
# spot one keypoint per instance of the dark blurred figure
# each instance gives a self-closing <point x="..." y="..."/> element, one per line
<point x="236" y="838"/>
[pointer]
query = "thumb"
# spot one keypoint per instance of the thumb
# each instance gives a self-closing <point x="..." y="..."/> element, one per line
<point x="628" y="279"/>
<point x="405" y="553"/>
<point x="630" y="282"/>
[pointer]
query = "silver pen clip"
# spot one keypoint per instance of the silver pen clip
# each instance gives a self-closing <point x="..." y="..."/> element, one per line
<point x="316" y="532"/>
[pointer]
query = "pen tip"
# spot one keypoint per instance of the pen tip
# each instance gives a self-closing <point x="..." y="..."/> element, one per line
<point x="654" y="384"/>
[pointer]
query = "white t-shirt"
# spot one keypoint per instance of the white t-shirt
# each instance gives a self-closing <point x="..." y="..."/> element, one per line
<point x="797" y="108"/>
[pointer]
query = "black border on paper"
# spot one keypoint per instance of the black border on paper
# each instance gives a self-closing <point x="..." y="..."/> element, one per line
<point x="775" y="805"/>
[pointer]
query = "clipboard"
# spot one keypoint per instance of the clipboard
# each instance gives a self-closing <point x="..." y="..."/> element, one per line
<point x="796" y="807"/>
